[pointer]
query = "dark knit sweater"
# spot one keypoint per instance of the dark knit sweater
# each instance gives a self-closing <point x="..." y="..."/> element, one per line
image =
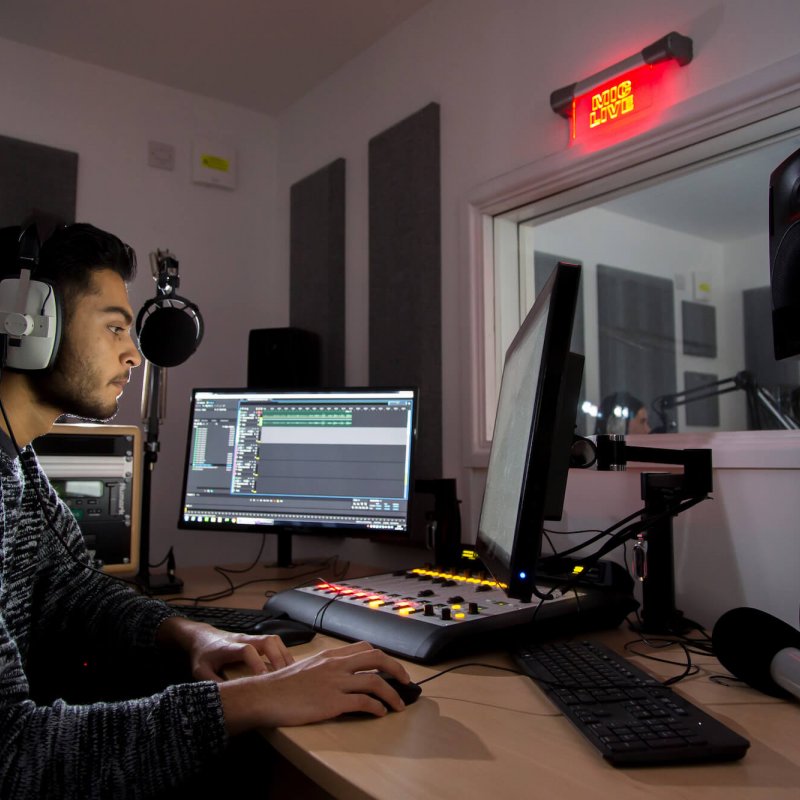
<point x="123" y="749"/>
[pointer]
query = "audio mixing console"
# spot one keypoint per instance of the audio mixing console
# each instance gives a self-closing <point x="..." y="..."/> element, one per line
<point x="428" y="614"/>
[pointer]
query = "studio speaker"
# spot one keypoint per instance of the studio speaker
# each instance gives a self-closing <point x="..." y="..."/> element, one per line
<point x="283" y="358"/>
<point x="784" y="255"/>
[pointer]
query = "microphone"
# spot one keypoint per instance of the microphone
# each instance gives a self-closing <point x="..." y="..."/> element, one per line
<point x="759" y="649"/>
<point x="169" y="327"/>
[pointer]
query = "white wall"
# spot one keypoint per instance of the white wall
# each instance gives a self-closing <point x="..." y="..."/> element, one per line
<point x="224" y="240"/>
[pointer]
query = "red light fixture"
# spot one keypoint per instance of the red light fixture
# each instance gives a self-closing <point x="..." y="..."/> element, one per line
<point x="612" y="98"/>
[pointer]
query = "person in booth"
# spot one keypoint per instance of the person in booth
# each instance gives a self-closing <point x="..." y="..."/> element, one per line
<point x="622" y="413"/>
<point x="78" y="362"/>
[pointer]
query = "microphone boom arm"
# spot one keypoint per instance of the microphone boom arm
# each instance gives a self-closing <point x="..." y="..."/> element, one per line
<point x="758" y="399"/>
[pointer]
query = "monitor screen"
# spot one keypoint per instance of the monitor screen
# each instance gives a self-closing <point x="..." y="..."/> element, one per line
<point x="322" y="462"/>
<point x="534" y="428"/>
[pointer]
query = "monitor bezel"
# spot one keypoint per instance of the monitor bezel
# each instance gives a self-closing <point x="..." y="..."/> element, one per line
<point x="283" y="528"/>
<point x="516" y="572"/>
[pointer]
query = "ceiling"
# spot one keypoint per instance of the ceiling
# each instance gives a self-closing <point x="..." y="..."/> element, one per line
<point x="724" y="201"/>
<point x="259" y="54"/>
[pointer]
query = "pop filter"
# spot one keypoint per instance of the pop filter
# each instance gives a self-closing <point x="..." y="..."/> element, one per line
<point x="169" y="330"/>
<point x="169" y="327"/>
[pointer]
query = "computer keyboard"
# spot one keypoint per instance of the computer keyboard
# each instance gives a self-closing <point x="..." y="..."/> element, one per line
<point x="236" y="620"/>
<point x="630" y="717"/>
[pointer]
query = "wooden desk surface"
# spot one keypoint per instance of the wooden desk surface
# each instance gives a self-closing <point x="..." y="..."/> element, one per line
<point x="478" y="731"/>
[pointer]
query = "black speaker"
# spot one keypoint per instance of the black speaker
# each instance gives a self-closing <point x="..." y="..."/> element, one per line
<point x="784" y="255"/>
<point x="283" y="358"/>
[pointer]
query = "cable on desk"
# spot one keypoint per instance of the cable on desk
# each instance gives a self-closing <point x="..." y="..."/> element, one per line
<point x="223" y="593"/>
<point x="730" y="681"/>
<point x="469" y="664"/>
<point x="656" y="643"/>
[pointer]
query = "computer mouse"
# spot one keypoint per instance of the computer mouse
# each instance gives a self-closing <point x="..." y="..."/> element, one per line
<point x="291" y="631"/>
<point x="409" y="692"/>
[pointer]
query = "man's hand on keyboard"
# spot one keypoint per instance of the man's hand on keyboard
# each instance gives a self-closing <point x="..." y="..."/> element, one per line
<point x="210" y="650"/>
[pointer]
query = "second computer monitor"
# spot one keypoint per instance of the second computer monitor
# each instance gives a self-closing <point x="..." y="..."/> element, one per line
<point x="322" y="462"/>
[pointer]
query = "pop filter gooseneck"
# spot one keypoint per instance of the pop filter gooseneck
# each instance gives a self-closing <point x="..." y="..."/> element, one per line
<point x="170" y="329"/>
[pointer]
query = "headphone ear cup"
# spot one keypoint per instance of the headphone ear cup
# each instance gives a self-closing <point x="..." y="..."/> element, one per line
<point x="39" y="349"/>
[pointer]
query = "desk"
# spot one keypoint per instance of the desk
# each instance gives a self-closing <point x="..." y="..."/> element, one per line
<point x="478" y="732"/>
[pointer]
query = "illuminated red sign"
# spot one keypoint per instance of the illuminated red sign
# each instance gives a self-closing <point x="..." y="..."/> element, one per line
<point x="612" y="106"/>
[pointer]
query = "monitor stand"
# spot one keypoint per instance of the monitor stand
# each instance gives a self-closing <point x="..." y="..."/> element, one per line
<point x="285" y="550"/>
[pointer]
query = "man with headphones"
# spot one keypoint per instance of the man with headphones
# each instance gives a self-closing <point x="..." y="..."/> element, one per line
<point x="65" y="324"/>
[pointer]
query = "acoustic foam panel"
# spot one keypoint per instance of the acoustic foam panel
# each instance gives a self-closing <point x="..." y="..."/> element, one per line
<point x="699" y="329"/>
<point x="316" y="260"/>
<point x="34" y="177"/>
<point x="703" y="411"/>
<point x="636" y="322"/>
<point x="405" y="271"/>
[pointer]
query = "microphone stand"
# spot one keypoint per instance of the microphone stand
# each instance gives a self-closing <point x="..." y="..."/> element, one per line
<point x="164" y="267"/>
<point x="154" y="393"/>
<point x="758" y="399"/>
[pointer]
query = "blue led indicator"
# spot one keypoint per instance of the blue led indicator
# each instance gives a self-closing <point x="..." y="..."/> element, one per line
<point x="523" y="575"/>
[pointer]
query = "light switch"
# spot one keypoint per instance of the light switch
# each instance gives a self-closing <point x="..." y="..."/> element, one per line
<point x="160" y="155"/>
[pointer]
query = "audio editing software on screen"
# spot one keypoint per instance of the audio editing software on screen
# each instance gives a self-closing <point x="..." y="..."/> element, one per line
<point x="310" y="459"/>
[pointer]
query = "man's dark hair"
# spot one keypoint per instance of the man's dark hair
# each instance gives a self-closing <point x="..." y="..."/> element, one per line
<point x="71" y="254"/>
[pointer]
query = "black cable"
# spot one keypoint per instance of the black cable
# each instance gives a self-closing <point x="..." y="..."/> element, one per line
<point x="572" y="533"/>
<point x="316" y="625"/>
<point x="468" y="664"/>
<point x="659" y="642"/>
<point x="601" y="534"/>
<point x="550" y="542"/>
<point x="223" y="593"/>
<point x="615" y="540"/>
<point x="163" y="560"/>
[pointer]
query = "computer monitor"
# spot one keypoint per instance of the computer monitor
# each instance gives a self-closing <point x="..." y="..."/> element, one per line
<point x="533" y="434"/>
<point x="319" y="462"/>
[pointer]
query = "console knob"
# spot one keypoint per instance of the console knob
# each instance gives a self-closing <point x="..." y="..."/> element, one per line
<point x="446" y="613"/>
<point x="472" y="608"/>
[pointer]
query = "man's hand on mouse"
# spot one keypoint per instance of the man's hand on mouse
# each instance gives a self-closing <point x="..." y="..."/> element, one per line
<point x="210" y="650"/>
<point x="323" y="686"/>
